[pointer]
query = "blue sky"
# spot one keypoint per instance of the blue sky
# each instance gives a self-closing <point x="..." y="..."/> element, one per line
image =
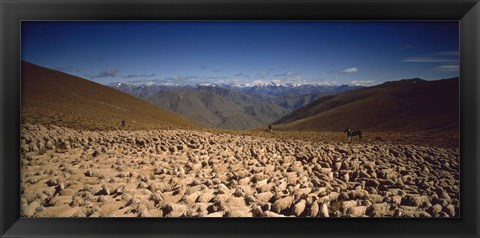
<point x="188" y="52"/>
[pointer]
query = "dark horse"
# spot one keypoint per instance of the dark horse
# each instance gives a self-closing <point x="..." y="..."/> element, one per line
<point x="352" y="133"/>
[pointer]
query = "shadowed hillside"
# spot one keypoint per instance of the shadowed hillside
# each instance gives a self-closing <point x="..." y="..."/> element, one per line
<point x="52" y="97"/>
<point x="405" y="105"/>
<point x="219" y="108"/>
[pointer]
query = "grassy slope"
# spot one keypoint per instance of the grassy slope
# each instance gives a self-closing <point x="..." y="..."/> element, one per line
<point x="52" y="97"/>
<point x="393" y="106"/>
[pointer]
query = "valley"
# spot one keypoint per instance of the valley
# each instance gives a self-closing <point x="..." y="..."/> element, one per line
<point x="230" y="106"/>
<point x="205" y="151"/>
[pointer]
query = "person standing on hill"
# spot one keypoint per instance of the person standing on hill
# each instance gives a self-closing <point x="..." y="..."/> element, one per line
<point x="270" y="128"/>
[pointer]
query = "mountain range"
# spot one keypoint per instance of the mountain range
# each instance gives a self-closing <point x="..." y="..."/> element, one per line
<point x="218" y="107"/>
<point x="231" y="106"/>
<point x="53" y="97"/>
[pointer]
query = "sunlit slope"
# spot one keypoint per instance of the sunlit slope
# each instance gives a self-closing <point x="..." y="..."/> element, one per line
<point x="52" y="97"/>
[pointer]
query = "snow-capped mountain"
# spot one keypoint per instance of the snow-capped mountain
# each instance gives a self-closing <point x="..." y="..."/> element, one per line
<point x="230" y="106"/>
<point x="144" y="88"/>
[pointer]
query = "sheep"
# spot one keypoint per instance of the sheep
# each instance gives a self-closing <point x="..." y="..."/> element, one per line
<point x="205" y="197"/>
<point x="283" y="203"/>
<point x="299" y="207"/>
<point x="263" y="197"/>
<point x="323" y="210"/>
<point x="272" y="214"/>
<point x="357" y="211"/>
<point x="314" y="210"/>
<point x="174" y="210"/>
<point x="238" y="213"/>
<point x="346" y="205"/>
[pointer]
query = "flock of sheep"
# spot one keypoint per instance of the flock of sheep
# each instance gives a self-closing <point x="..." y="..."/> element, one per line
<point x="182" y="173"/>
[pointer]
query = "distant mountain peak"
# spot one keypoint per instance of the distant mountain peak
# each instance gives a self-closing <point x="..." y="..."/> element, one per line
<point x="236" y="105"/>
<point x="236" y="84"/>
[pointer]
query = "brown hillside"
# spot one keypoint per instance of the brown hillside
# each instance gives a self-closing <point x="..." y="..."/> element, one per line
<point x="52" y="97"/>
<point x="405" y="105"/>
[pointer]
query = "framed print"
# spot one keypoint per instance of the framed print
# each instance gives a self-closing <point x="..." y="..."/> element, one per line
<point x="240" y="118"/>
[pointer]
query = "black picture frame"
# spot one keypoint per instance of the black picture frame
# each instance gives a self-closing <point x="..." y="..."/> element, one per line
<point x="12" y="12"/>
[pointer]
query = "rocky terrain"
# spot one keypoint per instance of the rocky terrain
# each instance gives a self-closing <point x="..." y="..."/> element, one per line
<point x="182" y="173"/>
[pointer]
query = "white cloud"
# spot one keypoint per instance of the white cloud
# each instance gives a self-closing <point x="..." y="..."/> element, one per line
<point x="288" y="77"/>
<point x="109" y="73"/>
<point x="328" y="82"/>
<point x="363" y="82"/>
<point x="181" y="78"/>
<point x="138" y="76"/>
<point x="350" y="70"/>
<point x="448" y="68"/>
<point x="285" y="74"/>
